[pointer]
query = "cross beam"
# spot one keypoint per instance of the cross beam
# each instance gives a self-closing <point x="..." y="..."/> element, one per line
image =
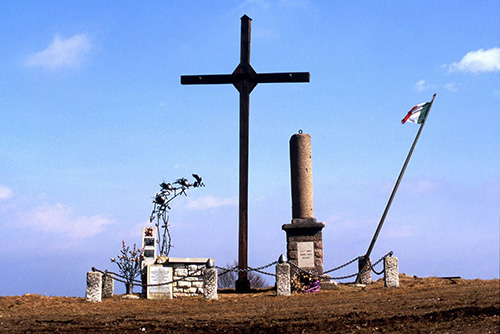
<point x="244" y="78"/>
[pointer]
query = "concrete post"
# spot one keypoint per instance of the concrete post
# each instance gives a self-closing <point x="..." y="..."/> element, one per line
<point x="108" y="285"/>
<point x="94" y="287"/>
<point x="283" y="279"/>
<point x="210" y="283"/>
<point x="364" y="268"/>
<point x="301" y="174"/>
<point x="391" y="272"/>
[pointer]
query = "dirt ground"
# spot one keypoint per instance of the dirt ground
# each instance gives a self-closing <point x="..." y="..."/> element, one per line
<point x="420" y="305"/>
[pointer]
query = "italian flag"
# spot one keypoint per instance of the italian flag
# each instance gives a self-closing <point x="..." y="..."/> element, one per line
<point x="417" y="113"/>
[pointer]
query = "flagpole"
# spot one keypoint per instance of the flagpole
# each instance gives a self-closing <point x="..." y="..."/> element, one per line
<point x="382" y="219"/>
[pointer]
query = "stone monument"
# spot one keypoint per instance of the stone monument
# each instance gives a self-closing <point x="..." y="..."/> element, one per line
<point x="157" y="276"/>
<point x="304" y="237"/>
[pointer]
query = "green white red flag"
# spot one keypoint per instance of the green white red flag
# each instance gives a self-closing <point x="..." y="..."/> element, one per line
<point x="417" y="113"/>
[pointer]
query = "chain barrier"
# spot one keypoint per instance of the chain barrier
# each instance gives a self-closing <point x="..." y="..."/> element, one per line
<point x="372" y="266"/>
<point x="139" y="283"/>
<point x="247" y="269"/>
<point x="342" y="266"/>
<point x="265" y="273"/>
<point x="123" y="279"/>
<point x="377" y="272"/>
<point x="106" y="272"/>
<point x="224" y="271"/>
<point x="367" y="268"/>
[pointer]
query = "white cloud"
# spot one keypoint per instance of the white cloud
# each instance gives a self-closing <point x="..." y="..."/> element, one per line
<point x="478" y="61"/>
<point x="421" y="85"/>
<point x="210" y="202"/>
<point x="60" y="220"/>
<point x="69" y="52"/>
<point x="5" y="192"/>
<point x="451" y="86"/>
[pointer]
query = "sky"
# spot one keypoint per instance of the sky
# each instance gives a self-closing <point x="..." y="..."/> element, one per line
<point x="93" y="118"/>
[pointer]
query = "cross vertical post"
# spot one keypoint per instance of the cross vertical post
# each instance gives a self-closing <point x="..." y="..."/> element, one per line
<point x="243" y="284"/>
<point x="244" y="78"/>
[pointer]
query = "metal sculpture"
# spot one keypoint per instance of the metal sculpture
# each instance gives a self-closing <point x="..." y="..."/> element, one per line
<point x="161" y="207"/>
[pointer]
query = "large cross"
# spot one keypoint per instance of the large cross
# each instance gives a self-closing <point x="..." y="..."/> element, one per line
<point x="244" y="78"/>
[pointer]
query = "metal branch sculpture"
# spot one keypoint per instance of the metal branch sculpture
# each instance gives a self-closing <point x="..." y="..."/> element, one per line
<point x="161" y="207"/>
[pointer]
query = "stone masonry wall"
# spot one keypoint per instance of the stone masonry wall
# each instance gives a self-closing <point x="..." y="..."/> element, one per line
<point x="188" y="279"/>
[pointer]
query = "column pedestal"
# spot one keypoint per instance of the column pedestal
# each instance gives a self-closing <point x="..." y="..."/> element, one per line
<point x="305" y="244"/>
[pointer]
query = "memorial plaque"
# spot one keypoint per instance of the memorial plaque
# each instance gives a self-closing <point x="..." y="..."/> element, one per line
<point x="305" y="254"/>
<point x="158" y="274"/>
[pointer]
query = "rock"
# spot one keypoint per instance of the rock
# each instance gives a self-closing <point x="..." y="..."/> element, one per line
<point x="329" y="285"/>
<point x="130" y="297"/>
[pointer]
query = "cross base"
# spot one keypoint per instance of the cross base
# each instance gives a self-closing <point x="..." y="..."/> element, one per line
<point x="242" y="285"/>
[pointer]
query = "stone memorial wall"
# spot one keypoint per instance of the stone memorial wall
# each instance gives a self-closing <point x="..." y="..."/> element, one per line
<point x="186" y="275"/>
<point x="190" y="279"/>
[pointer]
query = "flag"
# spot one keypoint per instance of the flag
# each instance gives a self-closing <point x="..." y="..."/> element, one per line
<point x="417" y="113"/>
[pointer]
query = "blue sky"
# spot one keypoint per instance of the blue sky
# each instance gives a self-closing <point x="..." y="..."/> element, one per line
<point x="93" y="118"/>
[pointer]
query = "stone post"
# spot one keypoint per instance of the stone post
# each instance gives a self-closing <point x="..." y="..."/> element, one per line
<point x="391" y="272"/>
<point x="364" y="268"/>
<point x="283" y="278"/>
<point x="94" y="287"/>
<point x="210" y="281"/>
<point x="108" y="285"/>
<point x="304" y="236"/>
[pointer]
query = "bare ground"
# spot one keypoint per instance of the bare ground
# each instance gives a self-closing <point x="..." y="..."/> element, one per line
<point x="420" y="305"/>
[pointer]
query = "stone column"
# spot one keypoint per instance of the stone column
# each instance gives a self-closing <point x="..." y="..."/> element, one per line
<point x="364" y="268"/>
<point x="94" y="287"/>
<point x="210" y="282"/>
<point x="283" y="279"/>
<point x="391" y="272"/>
<point x="108" y="285"/>
<point x="304" y="236"/>
<point x="301" y="176"/>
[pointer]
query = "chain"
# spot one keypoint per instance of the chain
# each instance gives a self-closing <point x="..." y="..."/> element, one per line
<point x="258" y="269"/>
<point x="344" y="277"/>
<point x="115" y="274"/>
<point x="320" y="276"/>
<point x="383" y="257"/>
<point x="342" y="266"/>
<point x="139" y="283"/>
<point x="369" y="267"/>
<point x="304" y="271"/>
<point x="247" y="269"/>
<point x="265" y="273"/>
<point x="225" y="271"/>
<point x="376" y="272"/>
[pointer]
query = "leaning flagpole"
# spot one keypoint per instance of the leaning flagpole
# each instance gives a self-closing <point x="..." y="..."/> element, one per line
<point x="382" y="219"/>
